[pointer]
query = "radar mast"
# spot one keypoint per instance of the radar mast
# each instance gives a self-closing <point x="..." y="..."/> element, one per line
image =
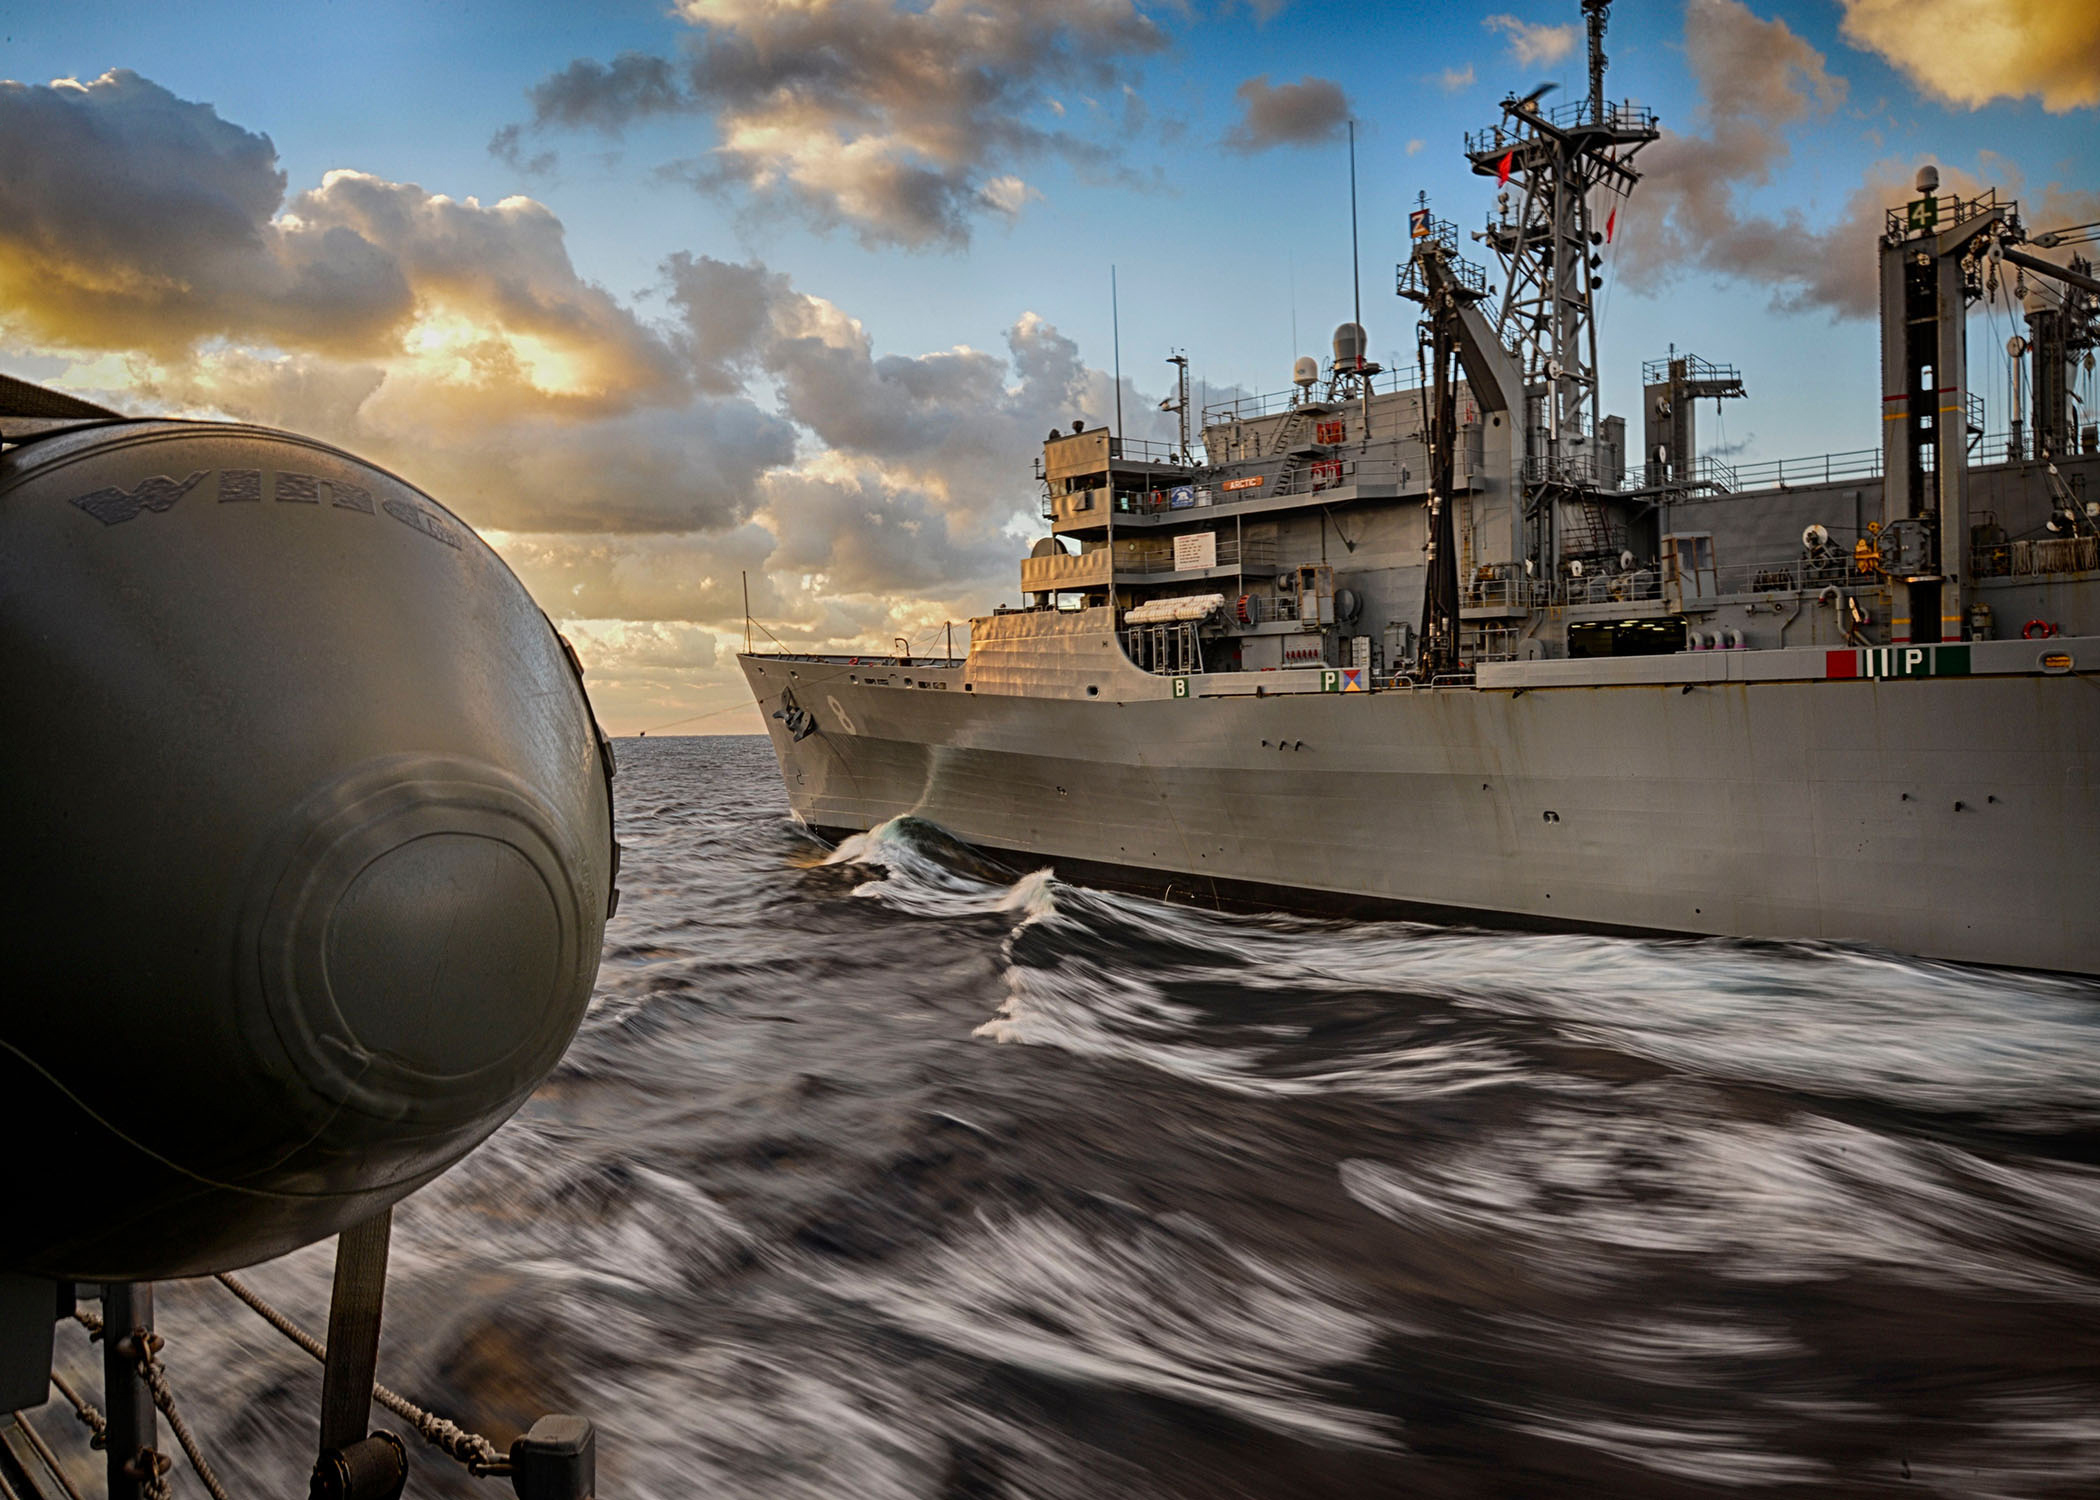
<point x="1547" y="232"/>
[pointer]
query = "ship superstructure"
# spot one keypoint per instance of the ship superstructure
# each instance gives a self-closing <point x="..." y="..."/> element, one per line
<point x="1446" y="611"/>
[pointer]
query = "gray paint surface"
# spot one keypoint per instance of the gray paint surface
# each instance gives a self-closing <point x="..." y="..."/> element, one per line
<point x="1954" y="817"/>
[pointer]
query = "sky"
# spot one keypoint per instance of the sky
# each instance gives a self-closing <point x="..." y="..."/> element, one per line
<point x="668" y="298"/>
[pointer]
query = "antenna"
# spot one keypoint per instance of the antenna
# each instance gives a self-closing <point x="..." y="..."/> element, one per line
<point x="1356" y="274"/>
<point x="1292" y="263"/>
<point x="1179" y="401"/>
<point x="1115" y="323"/>
<point x="1594" y="14"/>
<point x="1553" y="164"/>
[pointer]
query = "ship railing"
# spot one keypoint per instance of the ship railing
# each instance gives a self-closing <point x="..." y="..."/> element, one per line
<point x="1233" y="552"/>
<point x="1503" y="591"/>
<point x="1480" y="642"/>
<point x="1621" y="115"/>
<point x="1612" y="588"/>
<point x="1719" y="477"/>
<point x="1935" y="211"/>
<point x="1785" y="575"/>
<point x="1315" y="475"/>
<point x="1248" y="408"/>
<point x="1567" y="468"/>
<point x="1410" y="280"/>
<point x="2062" y="554"/>
<point x="1308" y="477"/>
<point x="1656" y="371"/>
<point x="1146" y="450"/>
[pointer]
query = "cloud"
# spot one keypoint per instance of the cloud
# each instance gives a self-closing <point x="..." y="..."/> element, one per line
<point x="506" y="145"/>
<point x="958" y="423"/>
<point x="186" y="237"/>
<point x="903" y="123"/>
<point x="1534" y="44"/>
<point x="633" y="471"/>
<point x="498" y="463"/>
<point x="1414" y="147"/>
<point x="1972" y="52"/>
<point x="1305" y="113"/>
<point x="693" y="577"/>
<point x="861" y="532"/>
<point x="1451" y="80"/>
<point x="177" y="237"/>
<point x="592" y="94"/>
<point x="630" y="645"/>
<point x="1756" y="78"/>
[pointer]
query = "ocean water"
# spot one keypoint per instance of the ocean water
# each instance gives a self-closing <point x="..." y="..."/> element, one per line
<point x="881" y="1172"/>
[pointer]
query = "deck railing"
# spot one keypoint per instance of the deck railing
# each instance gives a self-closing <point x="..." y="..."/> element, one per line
<point x="2064" y="554"/>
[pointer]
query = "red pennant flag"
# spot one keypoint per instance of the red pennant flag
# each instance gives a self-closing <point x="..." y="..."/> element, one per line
<point x="1502" y="171"/>
<point x="1611" y="222"/>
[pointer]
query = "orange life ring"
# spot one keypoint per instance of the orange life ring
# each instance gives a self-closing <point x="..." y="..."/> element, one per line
<point x="2035" y="630"/>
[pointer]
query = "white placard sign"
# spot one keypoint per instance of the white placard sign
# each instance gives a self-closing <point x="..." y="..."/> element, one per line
<point x="1198" y="549"/>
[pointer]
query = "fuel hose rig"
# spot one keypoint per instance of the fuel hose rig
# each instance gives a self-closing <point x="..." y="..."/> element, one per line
<point x="308" y="858"/>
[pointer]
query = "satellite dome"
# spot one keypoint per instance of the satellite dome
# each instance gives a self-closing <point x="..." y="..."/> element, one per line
<point x="1928" y="178"/>
<point x="1306" y="372"/>
<point x="1350" y="345"/>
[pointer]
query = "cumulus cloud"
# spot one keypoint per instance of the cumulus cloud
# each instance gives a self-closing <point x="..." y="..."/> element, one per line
<point x="633" y="471"/>
<point x="1535" y="44"/>
<point x="178" y="238"/>
<point x="901" y="122"/>
<point x="187" y="237"/>
<point x="959" y="422"/>
<point x="1304" y="113"/>
<point x="1757" y="78"/>
<point x="861" y="532"/>
<point x="498" y="463"/>
<point x="690" y="577"/>
<point x="1452" y="80"/>
<point x="1974" y="51"/>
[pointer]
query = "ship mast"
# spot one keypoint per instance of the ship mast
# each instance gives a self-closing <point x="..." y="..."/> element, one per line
<point x="1550" y="166"/>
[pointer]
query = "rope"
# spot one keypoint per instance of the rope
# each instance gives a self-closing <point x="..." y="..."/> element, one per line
<point x="155" y="1377"/>
<point x="691" y="718"/>
<point x="90" y="1417"/>
<point x="481" y="1456"/>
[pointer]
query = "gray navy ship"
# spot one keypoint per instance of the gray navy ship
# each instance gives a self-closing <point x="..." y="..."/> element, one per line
<point x="1436" y="642"/>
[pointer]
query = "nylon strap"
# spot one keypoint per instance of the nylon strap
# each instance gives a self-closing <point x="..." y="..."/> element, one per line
<point x="353" y="1330"/>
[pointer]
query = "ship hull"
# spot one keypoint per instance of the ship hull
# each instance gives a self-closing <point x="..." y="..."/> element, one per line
<point x="1954" y="818"/>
